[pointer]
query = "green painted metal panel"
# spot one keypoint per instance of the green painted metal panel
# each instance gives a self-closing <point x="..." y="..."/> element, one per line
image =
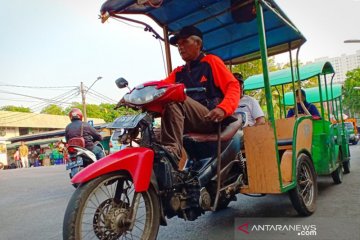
<point x="321" y="153"/>
<point x="313" y="94"/>
<point x="284" y="76"/>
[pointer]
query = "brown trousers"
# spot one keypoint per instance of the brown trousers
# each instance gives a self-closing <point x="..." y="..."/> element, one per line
<point x="179" y="118"/>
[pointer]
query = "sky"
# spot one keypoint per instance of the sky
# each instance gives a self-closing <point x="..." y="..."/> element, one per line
<point x="60" y="43"/>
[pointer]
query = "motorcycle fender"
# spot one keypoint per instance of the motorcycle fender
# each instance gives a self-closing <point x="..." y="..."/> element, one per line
<point x="138" y="162"/>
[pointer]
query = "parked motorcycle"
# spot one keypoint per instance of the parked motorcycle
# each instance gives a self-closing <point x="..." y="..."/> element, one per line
<point x="131" y="192"/>
<point x="80" y="158"/>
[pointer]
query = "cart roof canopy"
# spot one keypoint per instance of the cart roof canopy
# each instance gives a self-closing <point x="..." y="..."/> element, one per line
<point x="284" y="76"/>
<point x="229" y="27"/>
<point x="313" y="94"/>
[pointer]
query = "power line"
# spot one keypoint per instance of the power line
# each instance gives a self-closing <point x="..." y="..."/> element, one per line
<point x="36" y="87"/>
<point x="18" y="100"/>
<point x="94" y="98"/>
<point x="41" y="105"/>
<point x="102" y="99"/>
<point x="35" y="114"/>
<point x="103" y="96"/>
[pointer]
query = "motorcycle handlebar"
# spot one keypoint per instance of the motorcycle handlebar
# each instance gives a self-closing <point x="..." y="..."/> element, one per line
<point x="197" y="89"/>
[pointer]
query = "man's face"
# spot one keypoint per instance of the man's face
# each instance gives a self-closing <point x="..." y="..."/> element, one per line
<point x="189" y="49"/>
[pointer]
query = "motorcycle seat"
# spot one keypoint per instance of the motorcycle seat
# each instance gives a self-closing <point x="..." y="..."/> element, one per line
<point x="226" y="134"/>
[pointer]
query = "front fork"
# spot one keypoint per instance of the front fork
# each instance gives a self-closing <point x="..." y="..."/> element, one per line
<point x="135" y="203"/>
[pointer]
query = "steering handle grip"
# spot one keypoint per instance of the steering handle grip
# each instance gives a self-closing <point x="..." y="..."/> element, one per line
<point x="196" y="89"/>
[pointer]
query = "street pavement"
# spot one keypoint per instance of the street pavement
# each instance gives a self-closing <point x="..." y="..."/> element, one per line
<point x="33" y="202"/>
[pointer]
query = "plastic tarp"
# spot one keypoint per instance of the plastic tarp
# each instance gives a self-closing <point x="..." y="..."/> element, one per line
<point x="284" y="76"/>
<point x="313" y="94"/>
<point x="223" y="33"/>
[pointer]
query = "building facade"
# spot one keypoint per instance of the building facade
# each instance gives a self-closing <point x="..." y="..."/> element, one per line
<point x="14" y="124"/>
<point x="342" y="65"/>
<point x="45" y="127"/>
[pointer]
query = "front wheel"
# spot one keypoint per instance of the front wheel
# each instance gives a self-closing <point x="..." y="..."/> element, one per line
<point x="303" y="196"/>
<point x="109" y="208"/>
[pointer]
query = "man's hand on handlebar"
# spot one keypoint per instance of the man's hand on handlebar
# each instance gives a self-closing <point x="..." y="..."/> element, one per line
<point x="216" y="115"/>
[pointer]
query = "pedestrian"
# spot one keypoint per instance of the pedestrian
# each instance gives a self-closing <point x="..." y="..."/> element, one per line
<point x="24" y="152"/>
<point x="17" y="158"/>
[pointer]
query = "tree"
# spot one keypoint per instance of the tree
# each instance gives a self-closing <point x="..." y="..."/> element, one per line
<point x="254" y="67"/>
<point x="104" y="111"/>
<point x="53" y="109"/>
<point x="13" y="108"/>
<point x="352" y="96"/>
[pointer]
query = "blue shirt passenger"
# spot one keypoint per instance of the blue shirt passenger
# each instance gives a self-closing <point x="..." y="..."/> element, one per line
<point x="310" y="107"/>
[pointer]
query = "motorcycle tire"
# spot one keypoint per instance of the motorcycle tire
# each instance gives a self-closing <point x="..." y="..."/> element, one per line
<point x="101" y="208"/>
<point x="303" y="196"/>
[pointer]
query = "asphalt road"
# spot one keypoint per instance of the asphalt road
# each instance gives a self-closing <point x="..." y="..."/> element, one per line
<point x="33" y="201"/>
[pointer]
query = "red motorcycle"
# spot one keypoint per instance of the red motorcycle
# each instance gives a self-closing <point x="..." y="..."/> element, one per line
<point x="131" y="192"/>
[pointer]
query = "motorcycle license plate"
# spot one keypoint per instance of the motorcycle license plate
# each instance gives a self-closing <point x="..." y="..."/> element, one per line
<point x="73" y="164"/>
<point x="129" y="122"/>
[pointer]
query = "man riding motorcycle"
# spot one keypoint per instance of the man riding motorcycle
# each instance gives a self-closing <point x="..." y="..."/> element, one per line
<point x="201" y="110"/>
<point x="73" y="130"/>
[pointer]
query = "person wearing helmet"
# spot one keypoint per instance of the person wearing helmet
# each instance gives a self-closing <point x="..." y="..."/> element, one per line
<point x="89" y="134"/>
<point x="249" y="105"/>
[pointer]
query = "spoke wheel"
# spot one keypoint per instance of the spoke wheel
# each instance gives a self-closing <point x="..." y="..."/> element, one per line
<point x="102" y="209"/>
<point x="303" y="196"/>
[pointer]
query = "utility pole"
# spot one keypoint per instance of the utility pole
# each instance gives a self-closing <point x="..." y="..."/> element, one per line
<point x="83" y="93"/>
<point x="82" y="90"/>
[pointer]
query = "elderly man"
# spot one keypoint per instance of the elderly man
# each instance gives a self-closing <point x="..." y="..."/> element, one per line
<point x="201" y="111"/>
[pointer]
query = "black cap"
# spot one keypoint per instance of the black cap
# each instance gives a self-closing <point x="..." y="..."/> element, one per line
<point x="186" y="32"/>
<point x="239" y="77"/>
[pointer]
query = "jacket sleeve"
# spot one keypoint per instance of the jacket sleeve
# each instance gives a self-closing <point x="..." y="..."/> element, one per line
<point x="172" y="77"/>
<point x="313" y="110"/>
<point x="96" y="136"/>
<point x="227" y="83"/>
<point x="290" y="113"/>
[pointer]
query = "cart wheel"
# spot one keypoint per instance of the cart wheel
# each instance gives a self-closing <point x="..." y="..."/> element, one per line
<point x="303" y="196"/>
<point x="346" y="166"/>
<point x="337" y="175"/>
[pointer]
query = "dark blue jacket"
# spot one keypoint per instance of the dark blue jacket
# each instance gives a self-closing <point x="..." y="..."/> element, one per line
<point x="310" y="107"/>
<point x="90" y="135"/>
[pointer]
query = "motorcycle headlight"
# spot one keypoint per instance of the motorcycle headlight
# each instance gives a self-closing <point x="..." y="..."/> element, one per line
<point x="143" y="95"/>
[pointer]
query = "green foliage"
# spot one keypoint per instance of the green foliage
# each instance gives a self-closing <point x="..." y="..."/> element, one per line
<point x="352" y="96"/>
<point x="13" y="108"/>
<point x="255" y="67"/>
<point x="104" y="111"/>
<point x="53" y="109"/>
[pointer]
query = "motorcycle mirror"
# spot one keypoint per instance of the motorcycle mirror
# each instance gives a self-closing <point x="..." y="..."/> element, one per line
<point x="121" y="83"/>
